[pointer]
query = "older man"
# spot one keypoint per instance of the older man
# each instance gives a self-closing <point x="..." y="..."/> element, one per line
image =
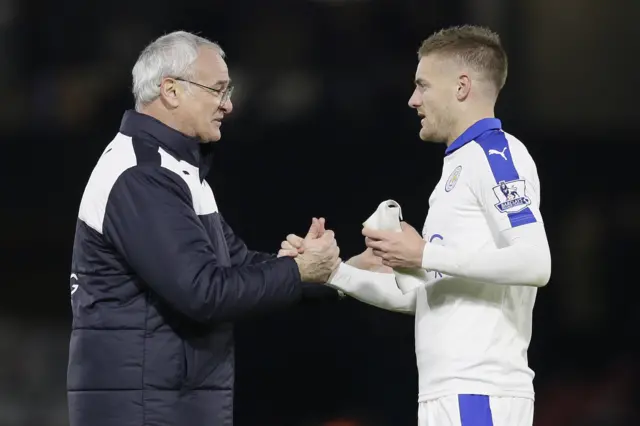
<point x="158" y="277"/>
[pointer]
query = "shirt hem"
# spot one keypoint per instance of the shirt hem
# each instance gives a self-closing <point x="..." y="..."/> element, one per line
<point x="428" y="396"/>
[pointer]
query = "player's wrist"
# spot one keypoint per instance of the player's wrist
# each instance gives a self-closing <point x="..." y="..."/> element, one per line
<point x="419" y="255"/>
<point x="424" y="259"/>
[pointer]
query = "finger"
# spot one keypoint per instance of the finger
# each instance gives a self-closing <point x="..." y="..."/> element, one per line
<point x="286" y="245"/>
<point x="374" y="233"/>
<point x="379" y="254"/>
<point x="290" y="253"/>
<point x="294" y="240"/>
<point x="375" y="245"/>
<point x="320" y="226"/>
<point x="316" y="229"/>
<point x="406" y="227"/>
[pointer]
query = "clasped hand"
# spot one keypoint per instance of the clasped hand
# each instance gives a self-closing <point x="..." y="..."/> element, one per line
<point x="317" y="254"/>
<point x="397" y="249"/>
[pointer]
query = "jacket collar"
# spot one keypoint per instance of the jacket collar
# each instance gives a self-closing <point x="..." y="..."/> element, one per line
<point x="472" y="133"/>
<point x="178" y="144"/>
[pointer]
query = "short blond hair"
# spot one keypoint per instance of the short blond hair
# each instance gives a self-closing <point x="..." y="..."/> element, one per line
<point x="475" y="46"/>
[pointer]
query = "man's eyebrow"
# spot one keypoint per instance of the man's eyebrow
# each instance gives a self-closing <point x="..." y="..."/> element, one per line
<point x="421" y="82"/>
<point x="222" y="83"/>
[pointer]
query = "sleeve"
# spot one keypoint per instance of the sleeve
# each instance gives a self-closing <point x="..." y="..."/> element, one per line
<point x="523" y="260"/>
<point x="510" y="200"/>
<point x="150" y="221"/>
<point x="373" y="288"/>
<point x="506" y="184"/>
<point x="240" y="254"/>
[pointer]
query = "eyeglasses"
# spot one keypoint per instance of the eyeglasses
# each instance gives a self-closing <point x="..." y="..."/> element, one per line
<point x="224" y="94"/>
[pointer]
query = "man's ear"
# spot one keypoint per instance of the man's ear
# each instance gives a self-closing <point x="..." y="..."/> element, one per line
<point x="464" y="87"/>
<point x="170" y="91"/>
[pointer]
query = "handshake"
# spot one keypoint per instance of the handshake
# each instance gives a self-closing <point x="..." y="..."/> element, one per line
<point x="317" y="254"/>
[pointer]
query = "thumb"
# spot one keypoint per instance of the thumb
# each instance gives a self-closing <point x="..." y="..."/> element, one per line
<point x="316" y="229"/>
<point x="406" y="227"/>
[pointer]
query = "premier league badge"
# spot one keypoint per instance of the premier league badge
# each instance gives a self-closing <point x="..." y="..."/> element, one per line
<point x="511" y="196"/>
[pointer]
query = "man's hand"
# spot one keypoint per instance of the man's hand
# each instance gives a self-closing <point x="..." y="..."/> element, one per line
<point x="365" y="260"/>
<point x="319" y="258"/>
<point x="316" y="254"/>
<point x="369" y="262"/>
<point x="397" y="249"/>
<point x="315" y="231"/>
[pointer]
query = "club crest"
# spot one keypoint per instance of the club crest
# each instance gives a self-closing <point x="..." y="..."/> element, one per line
<point x="453" y="179"/>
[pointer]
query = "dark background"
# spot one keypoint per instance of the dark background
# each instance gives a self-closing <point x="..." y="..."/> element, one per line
<point x="321" y="127"/>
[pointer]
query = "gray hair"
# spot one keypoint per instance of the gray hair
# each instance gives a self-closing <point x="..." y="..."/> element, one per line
<point x="171" y="55"/>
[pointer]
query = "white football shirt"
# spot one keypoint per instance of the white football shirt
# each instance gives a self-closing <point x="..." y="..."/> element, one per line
<point x="472" y="336"/>
<point x="486" y="254"/>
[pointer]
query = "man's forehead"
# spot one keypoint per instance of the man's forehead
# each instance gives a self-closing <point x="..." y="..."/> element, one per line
<point x="435" y="64"/>
<point x="211" y="64"/>
<point x="426" y="64"/>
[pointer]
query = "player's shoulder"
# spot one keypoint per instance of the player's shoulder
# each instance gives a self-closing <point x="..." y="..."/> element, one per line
<point x="498" y="140"/>
<point x="497" y="145"/>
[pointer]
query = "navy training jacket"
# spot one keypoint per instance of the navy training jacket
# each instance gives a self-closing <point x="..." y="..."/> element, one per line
<point x="157" y="279"/>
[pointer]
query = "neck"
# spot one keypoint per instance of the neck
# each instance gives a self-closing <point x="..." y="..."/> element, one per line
<point x="163" y="115"/>
<point x="469" y="119"/>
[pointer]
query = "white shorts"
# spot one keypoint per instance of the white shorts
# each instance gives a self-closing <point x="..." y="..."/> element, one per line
<point x="476" y="410"/>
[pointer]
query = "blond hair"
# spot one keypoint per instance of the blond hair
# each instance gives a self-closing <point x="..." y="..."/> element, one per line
<point x="475" y="46"/>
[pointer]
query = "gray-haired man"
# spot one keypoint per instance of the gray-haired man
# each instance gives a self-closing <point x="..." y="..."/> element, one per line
<point x="158" y="277"/>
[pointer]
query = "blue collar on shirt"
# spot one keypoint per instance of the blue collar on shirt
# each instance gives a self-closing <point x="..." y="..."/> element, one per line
<point x="478" y="128"/>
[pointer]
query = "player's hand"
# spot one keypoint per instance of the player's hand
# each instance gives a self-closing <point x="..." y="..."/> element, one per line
<point x="397" y="249"/>
<point x="369" y="262"/>
<point x="292" y="246"/>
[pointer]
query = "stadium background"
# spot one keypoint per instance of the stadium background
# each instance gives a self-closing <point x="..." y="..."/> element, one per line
<point x="321" y="127"/>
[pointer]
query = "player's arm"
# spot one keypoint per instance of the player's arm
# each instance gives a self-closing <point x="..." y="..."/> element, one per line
<point x="512" y="212"/>
<point x="373" y="288"/>
<point x="524" y="259"/>
<point x="357" y="278"/>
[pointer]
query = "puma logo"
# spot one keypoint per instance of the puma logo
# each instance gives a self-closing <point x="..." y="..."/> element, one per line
<point x="500" y="153"/>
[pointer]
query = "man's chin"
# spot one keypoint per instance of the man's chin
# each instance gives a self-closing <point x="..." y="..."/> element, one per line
<point x="430" y="137"/>
<point x="214" y="137"/>
<point x="425" y="136"/>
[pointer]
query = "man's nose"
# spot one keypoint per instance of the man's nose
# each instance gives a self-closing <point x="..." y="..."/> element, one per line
<point x="227" y="106"/>
<point x="415" y="101"/>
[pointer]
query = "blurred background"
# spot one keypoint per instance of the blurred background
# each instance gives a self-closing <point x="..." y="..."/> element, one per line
<point x="321" y="127"/>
